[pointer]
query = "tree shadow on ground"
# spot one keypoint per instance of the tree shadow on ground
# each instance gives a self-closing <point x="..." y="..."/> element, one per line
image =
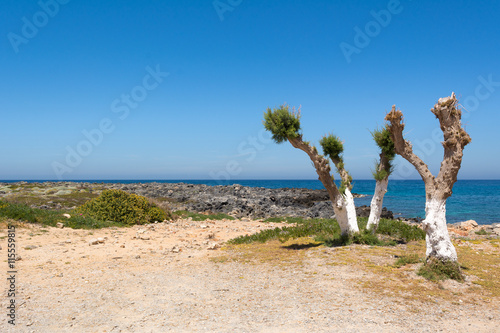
<point x="301" y="246"/>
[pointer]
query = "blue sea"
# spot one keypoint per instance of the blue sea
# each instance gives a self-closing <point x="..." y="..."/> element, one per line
<point x="477" y="200"/>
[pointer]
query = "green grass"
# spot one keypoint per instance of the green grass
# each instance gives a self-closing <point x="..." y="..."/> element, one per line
<point x="49" y="217"/>
<point x="407" y="260"/>
<point x="201" y="217"/>
<point x="481" y="232"/>
<point x="327" y="231"/>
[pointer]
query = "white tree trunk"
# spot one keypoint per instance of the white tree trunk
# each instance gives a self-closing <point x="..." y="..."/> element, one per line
<point x="351" y="212"/>
<point x="437" y="238"/>
<point x="377" y="203"/>
<point x="345" y="213"/>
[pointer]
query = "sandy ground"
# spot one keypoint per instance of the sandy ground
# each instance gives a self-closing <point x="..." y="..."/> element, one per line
<point x="163" y="278"/>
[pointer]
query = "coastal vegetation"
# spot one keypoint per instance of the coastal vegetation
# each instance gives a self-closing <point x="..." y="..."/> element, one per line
<point x="327" y="232"/>
<point x="441" y="256"/>
<point x="284" y="125"/>
<point x="111" y="208"/>
<point x="120" y="206"/>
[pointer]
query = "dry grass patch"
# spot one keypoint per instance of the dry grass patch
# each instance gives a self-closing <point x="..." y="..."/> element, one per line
<point x="378" y="273"/>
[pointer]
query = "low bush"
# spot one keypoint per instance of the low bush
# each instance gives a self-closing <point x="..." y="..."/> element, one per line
<point x="436" y="269"/>
<point x="122" y="207"/>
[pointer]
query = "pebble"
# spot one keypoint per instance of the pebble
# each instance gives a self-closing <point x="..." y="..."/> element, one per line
<point x="59" y="225"/>
<point x="67" y="216"/>
<point x="94" y="241"/>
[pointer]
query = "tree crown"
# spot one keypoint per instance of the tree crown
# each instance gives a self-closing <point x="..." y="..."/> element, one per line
<point x="332" y="147"/>
<point x="283" y="123"/>
<point x="383" y="139"/>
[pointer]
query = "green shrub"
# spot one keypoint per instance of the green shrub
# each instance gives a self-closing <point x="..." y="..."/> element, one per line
<point x="436" y="269"/>
<point x="120" y="206"/>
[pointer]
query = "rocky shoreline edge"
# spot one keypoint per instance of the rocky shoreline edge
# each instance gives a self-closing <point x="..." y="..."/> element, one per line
<point x="235" y="200"/>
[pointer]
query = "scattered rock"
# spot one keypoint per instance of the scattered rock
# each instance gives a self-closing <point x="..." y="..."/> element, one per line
<point x="466" y="225"/>
<point x="94" y="241"/>
<point x="203" y="226"/>
<point x="101" y="240"/>
<point x="497" y="231"/>
<point x="59" y="225"/>
<point x="30" y="247"/>
<point x="175" y="249"/>
<point x="213" y="246"/>
<point x="144" y="237"/>
<point x="67" y="216"/>
<point x="18" y="257"/>
<point x="211" y="235"/>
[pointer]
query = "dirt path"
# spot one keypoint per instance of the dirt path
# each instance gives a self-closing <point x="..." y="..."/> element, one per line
<point x="162" y="278"/>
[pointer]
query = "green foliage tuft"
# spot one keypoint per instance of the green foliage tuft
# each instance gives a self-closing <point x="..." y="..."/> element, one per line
<point x="332" y="147"/>
<point x="283" y="123"/>
<point x="384" y="141"/>
<point x="122" y="207"/>
<point x="381" y="174"/>
<point x="435" y="269"/>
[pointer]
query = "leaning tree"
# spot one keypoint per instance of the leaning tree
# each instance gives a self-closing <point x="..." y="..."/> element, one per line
<point x="284" y="124"/>
<point x="439" y="188"/>
<point x="383" y="169"/>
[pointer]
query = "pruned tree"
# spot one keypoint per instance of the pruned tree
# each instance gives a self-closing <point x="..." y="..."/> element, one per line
<point x="438" y="189"/>
<point x="284" y="124"/>
<point x="383" y="169"/>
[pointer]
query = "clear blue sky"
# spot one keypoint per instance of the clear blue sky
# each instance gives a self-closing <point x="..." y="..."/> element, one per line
<point x="101" y="67"/>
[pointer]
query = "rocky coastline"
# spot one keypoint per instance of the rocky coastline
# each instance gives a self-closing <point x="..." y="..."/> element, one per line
<point x="235" y="200"/>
